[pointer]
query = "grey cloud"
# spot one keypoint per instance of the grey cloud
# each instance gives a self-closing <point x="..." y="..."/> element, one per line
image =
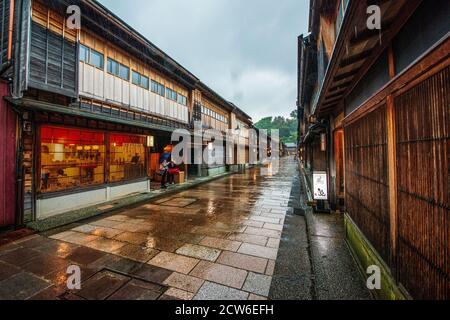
<point x="244" y="49"/>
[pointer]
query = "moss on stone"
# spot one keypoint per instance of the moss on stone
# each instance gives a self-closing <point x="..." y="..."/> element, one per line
<point x="366" y="256"/>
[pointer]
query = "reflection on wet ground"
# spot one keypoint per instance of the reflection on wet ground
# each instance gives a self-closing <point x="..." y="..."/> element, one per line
<point x="218" y="241"/>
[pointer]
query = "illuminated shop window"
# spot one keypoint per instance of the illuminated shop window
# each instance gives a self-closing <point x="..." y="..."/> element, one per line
<point x="127" y="158"/>
<point x="71" y="158"/>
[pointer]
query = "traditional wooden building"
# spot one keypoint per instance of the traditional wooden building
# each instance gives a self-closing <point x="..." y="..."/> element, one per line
<point x="224" y="117"/>
<point x="375" y="112"/>
<point x="86" y="112"/>
<point x="8" y="127"/>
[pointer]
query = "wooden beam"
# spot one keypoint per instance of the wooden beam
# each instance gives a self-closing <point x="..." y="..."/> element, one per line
<point x="366" y="36"/>
<point x="334" y="95"/>
<point x="330" y="101"/>
<point x="392" y="165"/>
<point x="393" y="186"/>
<point x="346" y="75"/>
<point x="353" y="12"/>
<point x="341" y="86"/>
<point x="336" y="91"/>
<point x="391" y="62"/>
<point x="355" y="58"/>
<point x="431" y="62"/>
<point x="330" y="105"/>
<point x="406" y="11"/>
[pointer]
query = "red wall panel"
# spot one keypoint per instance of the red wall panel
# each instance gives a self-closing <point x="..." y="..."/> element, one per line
<point x="7" y="160"/>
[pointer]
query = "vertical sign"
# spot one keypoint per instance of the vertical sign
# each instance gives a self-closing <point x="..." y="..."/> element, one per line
<point x="320" y="185"/>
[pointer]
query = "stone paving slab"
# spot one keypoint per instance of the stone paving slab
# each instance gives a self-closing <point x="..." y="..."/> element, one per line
<point x="152" y="274"/>
<point x="21" y="286"/>
<point x="222" y="244"/>
<point x="7" y="270"/>
<point x="102" y="286"/>
<point x="132" y="238"/>
<point x="136" y="253"/>
<point x="213" y="291"/>
<point x="106" y="245"/>
<point x="184" y="282"/>
<point x="273" y="243"/>
<point x="174" y="262"/>
<point x="258" y="284"/>
<point x="199" y="252"/>
<point x="243" y="261"/>
<point x="263" y="232"/>
<point x="20" y="257"/>
<point x="258" y="251"/>
<point x="225" y="275"/>
<point x="45" y="265"/>
<point x="174" y="293"/>
<point x="248" y="238"/>
<point x="136" y="290"/>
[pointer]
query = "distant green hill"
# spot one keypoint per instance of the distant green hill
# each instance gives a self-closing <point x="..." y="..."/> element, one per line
<point x="287" y="126"/>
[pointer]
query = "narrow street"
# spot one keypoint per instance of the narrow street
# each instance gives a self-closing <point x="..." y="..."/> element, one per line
<point x="228" y="239"/>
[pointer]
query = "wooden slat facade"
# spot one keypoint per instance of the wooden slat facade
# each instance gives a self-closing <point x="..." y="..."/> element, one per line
<point x="392" y="87"/>
<point x="115" y="53"/>
<point x="211" y="122"/>
<point x="366" y="172"/>
<point x="412" y="236"/>
<point x="423" y="167"/>
<point x="53" y="52"/>
<point x="422" y="121"/>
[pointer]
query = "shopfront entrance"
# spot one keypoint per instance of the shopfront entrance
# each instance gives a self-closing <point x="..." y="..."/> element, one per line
<point x="79" y="158"/>
<point x="78" y="167"/>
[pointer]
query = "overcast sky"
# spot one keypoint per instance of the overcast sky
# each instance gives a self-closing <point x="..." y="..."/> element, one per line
<point x="245" y="50"/>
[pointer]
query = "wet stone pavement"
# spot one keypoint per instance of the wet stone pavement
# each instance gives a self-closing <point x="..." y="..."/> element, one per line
<point x="215" y="241"/>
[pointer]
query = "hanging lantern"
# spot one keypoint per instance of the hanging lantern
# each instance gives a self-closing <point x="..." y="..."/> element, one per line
<point x="150" y="141"/>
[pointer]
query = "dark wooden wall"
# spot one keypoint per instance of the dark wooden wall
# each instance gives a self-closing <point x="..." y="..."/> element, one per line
<point x="53" y="62"/>
<point x="366" y="172"/>
<point x="423" y="175"/>
<point x="413" y="240"/>
<point x="7" y="161"/>
<point x="319" y="157"/>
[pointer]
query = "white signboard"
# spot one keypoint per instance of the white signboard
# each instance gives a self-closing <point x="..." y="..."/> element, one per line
<point x="320" y="186"/>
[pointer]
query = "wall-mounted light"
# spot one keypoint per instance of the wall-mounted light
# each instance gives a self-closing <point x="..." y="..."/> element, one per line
<point x="323" y="142"/>
<point x="150" y="141"/>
